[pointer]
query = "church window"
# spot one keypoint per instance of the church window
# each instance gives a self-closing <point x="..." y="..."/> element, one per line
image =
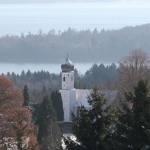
<point x="63" y="78"/>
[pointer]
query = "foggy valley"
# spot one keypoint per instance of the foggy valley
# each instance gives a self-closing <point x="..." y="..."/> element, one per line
<point x="75" y="75"/>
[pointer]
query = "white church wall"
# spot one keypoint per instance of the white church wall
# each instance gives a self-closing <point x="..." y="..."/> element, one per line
<point x="81" y="97"/>
<point x="72" y="101"/>
<point x="68" y="80"/>
<point x="66" y="104"/>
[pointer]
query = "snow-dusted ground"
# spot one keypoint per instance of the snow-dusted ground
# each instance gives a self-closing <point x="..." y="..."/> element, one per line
<point x="71" y="136"/>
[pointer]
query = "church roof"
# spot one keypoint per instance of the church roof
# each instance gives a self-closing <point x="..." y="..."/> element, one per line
<point x="82" y="95"/>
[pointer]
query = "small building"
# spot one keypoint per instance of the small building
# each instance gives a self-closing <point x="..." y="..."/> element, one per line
<point x="73" y="98"/>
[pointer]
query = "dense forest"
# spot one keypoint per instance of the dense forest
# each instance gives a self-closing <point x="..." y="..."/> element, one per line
<point x="93" y="46"/>
<point x="98" y="75"/>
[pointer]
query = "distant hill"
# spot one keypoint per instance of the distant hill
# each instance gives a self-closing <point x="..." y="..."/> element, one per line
<point x="82" y="46"/>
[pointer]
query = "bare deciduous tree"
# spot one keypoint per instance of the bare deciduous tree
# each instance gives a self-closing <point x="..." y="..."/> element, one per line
<point x="133" y="68"/>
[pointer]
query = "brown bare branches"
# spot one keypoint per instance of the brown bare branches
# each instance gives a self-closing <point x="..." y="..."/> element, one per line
<point x="133" y="68"/>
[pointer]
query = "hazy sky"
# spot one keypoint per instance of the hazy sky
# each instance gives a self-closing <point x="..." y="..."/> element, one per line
<point x="61" y="1"/>
<point x="17" y="17"/>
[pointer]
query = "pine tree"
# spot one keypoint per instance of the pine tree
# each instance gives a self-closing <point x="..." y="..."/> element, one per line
<point x="92" y="126"/>
<point x="49" y="135"/>
<point x="133" y="128"/>
<point x="26" y="96"/>
<point x="58" y="105"/>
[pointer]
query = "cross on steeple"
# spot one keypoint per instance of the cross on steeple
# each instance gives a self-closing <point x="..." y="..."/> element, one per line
<point x="67" y="58"/>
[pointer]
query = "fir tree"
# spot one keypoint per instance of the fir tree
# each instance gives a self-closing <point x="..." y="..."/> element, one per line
<point x="92" y="126"/>
<point x="49" y="135"/>
<point x="133" y="128"/>
<point x="58" y="105"/>
<point x="26" y="96"/>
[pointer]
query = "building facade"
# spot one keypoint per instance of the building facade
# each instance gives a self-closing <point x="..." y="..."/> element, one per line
<point x="73" y="98"/>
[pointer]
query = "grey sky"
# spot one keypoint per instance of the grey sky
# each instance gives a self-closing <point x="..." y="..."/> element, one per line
<point x="61" y="1"/>
<point x="107" y="14"/>
<point x="43" y="1"/>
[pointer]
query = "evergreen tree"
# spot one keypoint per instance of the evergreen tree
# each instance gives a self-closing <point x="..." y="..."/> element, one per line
<point x="26" y="96"/>
<point x="58" y="105"/>
<point x="92" y="126"/>
<point x="133" y="128"/>
<point x="44" y="91"/>
<point x="49" y="135"/>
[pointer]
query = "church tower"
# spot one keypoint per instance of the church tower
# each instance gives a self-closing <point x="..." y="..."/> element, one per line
<point x="68" y="93"/>
<point x="67" y="75"/>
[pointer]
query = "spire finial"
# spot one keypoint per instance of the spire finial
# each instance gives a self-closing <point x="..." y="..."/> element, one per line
<point x="68" y="65"/>
<point x="67" y="58"/>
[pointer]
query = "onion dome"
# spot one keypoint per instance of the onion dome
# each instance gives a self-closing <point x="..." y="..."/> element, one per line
<point x="67" y="66"/>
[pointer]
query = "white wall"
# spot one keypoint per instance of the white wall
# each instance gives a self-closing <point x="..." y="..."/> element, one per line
<point x="68" y="98"/>
<point x="66" y="105"/>
<point x="68" y="80"/>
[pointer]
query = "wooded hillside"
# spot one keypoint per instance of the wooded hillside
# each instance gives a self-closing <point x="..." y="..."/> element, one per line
<point x="92" y="46"/>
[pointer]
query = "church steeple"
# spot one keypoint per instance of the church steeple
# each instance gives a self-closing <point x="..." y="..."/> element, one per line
<point x="67" y="58"/>
<point x="68" y="61"/>
<point x="67" y="74"/>
<point x="68" y="65"/>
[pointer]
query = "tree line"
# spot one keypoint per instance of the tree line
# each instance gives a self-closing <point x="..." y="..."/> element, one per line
<point x="93" y="46"/>
<point x="131" y="68"/>
<point x="100" y="75"/>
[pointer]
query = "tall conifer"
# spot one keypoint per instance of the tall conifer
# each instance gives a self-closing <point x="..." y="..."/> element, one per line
<point x="58" y="105"/>
<point x="49" y="135"/>
<point x="133" y="128"/>
<point x="26" y="96"/>
<point x="92" y="125"/>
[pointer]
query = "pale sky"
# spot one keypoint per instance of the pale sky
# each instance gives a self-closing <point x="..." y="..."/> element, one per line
<point x="16" y="16"/>
<point x="61" y="1"/>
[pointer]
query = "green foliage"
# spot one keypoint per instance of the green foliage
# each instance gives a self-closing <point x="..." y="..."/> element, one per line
<point x="49" y="135"/>
<point x="93" y="125"/>
<point x="133" y="128"/>
<point x="26" y="96"/>
<point x="46" y="111"/>
<point x="37" y="80"/>
<point x="58" y="105"/>
<point x="100" y="74"/>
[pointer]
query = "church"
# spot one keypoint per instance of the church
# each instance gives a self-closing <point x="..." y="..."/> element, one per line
<point x="73" y="98"/>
